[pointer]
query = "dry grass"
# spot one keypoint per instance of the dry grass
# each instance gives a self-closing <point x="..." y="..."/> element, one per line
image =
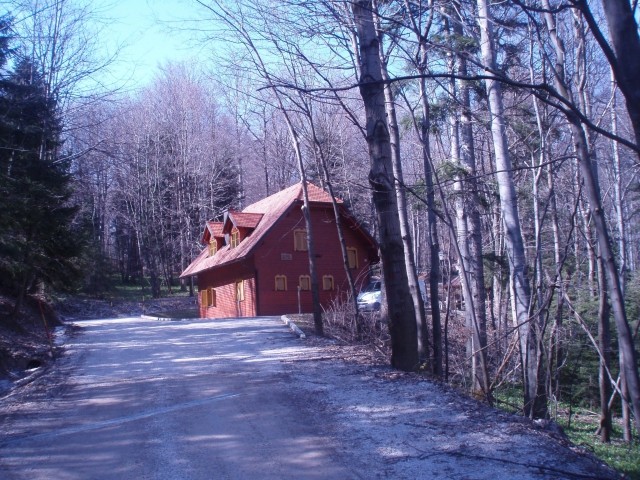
<point x="340" y="323"/>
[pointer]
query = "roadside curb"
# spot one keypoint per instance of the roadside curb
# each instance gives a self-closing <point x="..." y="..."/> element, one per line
<point x="294" y="328"/>
<point x="165" y="319"/>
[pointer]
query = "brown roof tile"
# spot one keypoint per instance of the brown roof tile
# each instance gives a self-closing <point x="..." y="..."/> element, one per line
<point x="212" y="229"/>
<point x="215" y="228"/>
<point x="269" y="210"/>
<point x="246" y="220"/>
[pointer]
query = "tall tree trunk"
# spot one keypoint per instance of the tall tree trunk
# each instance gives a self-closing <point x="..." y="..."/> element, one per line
<point x="336" y="211"/>
<point x="535" y="405"/>
<point x="617" y="190"/>
<point x="592" y="191"/>
<point x="625" y="337"/>
<point x="604" y="364"/>
<point x="625" y="61"/>
<point x="432" y="236"/>
<point x="556" y="355"/>
<point x="401" y="196"/>
<point x="622" y="247"/>
<point x="604" y="334"/>
<point x="311" y="250"/>
<point x="421" y="32"/>
<point x="470" y="198"/>
<point x="402" y="319"/>
<point x="542" y="305"/>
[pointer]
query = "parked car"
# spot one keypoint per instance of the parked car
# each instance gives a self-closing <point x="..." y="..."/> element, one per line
<point x="370" y="297"/>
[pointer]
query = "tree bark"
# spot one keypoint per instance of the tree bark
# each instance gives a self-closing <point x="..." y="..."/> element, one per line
<point x="432" y="235"/>
<point x="401" y="313"/>
<point x="401" y="196"/>
<point x="423" y="132"/>
<point x="336" y="212"/>
<point x="535" y="405"/>
<point x="624" y="37"/>
<point x="469" y="224"/>
<point x="592" y="191"/>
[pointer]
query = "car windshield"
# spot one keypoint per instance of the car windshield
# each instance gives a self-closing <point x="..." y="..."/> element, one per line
<point x="371" y="287"/>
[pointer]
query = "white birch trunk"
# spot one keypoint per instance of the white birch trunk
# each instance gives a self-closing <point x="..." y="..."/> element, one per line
<point x="534" y="404"/>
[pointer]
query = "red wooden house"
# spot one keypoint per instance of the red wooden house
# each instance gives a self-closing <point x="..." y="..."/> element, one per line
<point x="255" y="261"/>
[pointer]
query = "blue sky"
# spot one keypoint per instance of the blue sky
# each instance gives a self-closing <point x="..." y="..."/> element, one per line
<point x="150" y="34"/>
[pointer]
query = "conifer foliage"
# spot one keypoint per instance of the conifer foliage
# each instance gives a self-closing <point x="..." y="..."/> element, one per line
<point x="37" y="246"/>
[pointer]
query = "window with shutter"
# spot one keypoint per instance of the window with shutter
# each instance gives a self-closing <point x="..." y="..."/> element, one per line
<point x="204" y="302"/>
<point x="352" y="257"/>
<point x="240" y="291"/>
<point x="327" y="282"/>
<point x="305" y="282"/>
<point x="281" y="283"/>
<point x="300" y="240"/>
<point x="235" y="238"/>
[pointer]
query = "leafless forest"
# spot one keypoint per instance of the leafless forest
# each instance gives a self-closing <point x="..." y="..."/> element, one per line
<point x="492" y="148"/>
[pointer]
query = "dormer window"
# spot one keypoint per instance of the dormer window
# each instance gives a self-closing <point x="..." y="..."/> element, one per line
<point x="235" y="238"/>
<point x="213" y="247"/>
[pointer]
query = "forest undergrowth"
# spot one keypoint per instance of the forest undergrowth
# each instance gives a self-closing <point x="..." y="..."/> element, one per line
<point x="579" y="424"/>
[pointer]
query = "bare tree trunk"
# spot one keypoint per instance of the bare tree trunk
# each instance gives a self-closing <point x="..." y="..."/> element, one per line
<point x="604" y="334"/>
<point x="622" y="248"/>
<point x="627" y="432"/>
<point x="306" y="212"/>
<point x="423" y="130"/>
<point x="604" y="343"/>
<point x="542" y="305"/>
<point x="336" y="212"/>
<point x="535" y="405"/>
<point x="402" y="319"/>
<point x="432" y="235"/>
<point x="401" y="196"/>
<point x="470" y="201"/>
<point x="592" y="191"/>
<point x="623" y="58"/>
<point x="617" y="190"/>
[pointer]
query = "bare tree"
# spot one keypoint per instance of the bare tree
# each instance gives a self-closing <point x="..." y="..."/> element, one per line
<point x="534" y="401"/>
<point x="402" y="320"/>
<point x="592" y="190"/>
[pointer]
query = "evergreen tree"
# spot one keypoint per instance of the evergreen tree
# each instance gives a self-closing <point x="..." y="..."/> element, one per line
<point x="36" y="242"/>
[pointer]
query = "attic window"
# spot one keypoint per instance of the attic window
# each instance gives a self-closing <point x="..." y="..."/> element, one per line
<point x="213" y="247"/>
<point x="235" y="238"/>
<point x="300" y="240"/>
<point x="305" y="282"/>
<point x="281" y="283"/>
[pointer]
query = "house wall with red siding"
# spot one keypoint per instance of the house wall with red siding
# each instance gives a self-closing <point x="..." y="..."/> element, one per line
<point x="276" y="256"/>
<point x="223" y="280"/>
<point x="226" y="304"/>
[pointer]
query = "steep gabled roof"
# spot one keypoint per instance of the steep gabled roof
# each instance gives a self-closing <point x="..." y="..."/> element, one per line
<point x="241" y="220"/>
<point x="211" y="229"/>
<point x="263" y="214"/>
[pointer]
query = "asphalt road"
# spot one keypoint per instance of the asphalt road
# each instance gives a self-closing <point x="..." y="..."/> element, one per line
<point x="246" y="399"/>
<point x="146" y="399"/>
